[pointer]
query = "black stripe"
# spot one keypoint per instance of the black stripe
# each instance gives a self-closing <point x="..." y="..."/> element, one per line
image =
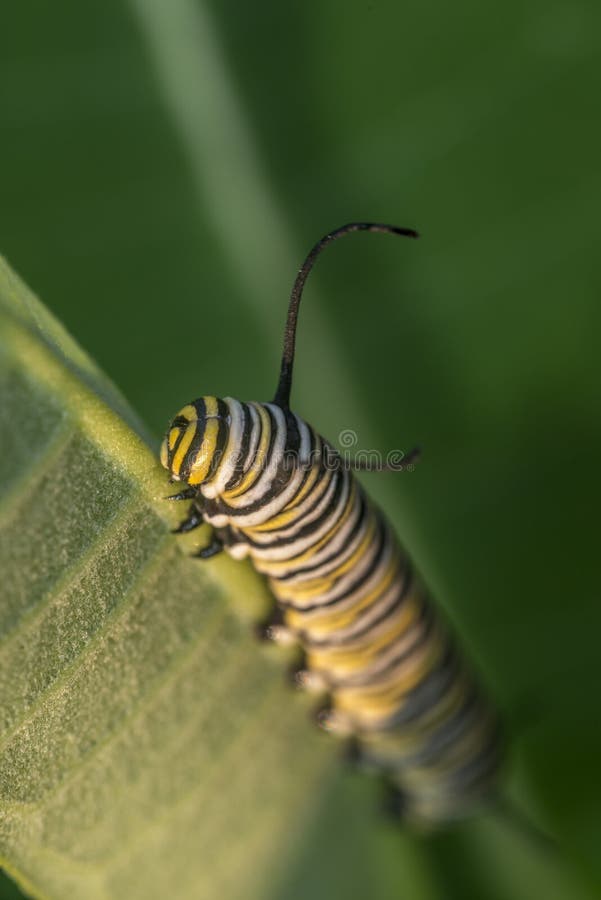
<point x="420" y="699"/>
<point x="192" y="452"/>
<point x="440" y="738"/>
<point x="382" y="533"/>
<point x="405" y="586"/>
<point x="286" y="469"/>
<point x="172" y="451"/>
<point x="247" y="431"/>
<point x="282" y="475"/>
<point x="182" y="423"/>
<point x="307" y="529"/>
<point x="200" y="407"/>
<point x="318" y="480"/>
<point x="223" y="415"/>
<point x="480" y="767"/>
<point x="336" y="557"/>
<point x="335" y="641"/>
<point x="360" y="680"/>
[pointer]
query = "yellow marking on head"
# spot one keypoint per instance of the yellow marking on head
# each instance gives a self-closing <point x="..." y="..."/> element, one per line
<point x="173" y="436"/>
<point x="204" y="457"/>
<point x="184" y="446"/>
<point x="189" y="412"/>
<point x="257" y="465"/>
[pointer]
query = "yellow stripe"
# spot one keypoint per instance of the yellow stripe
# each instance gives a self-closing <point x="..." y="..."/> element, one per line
<point x="188" y="412"/>
<point x="290" y="511"/>
<point x="354" y="665"/>
<point x="458" y="753"/>
<point x="183" y="448"/>
<point x="341" y="658"/>
<point x="315" y="587"/>
<point x="413" y="600"/>
<point x="386" y="698"/>
<point x="331" y="620"/>
<point x="204" y="457"/>
<point x="431" y="719"/>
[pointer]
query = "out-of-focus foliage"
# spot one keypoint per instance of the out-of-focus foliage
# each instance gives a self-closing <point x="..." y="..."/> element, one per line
<point x="163" y="169"/>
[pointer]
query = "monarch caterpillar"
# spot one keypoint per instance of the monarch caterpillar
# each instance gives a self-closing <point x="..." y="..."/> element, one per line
<point x="276" y="491"/>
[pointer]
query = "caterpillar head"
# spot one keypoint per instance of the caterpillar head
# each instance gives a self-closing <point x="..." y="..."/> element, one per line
<point x="191" y="445"/>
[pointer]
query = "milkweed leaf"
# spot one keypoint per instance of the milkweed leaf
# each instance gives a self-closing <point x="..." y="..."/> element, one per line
<point x="148" y="744"/>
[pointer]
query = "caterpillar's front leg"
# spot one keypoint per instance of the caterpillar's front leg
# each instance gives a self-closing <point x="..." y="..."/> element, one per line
<point x="195" y="516"/>
<point x="214" y="547"/>
<point x="192" y="520"/>
<point x="274" y="628"/>
<point x="220" y="539"/>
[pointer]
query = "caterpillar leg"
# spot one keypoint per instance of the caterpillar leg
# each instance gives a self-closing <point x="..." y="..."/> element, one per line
<point x="220" y="539"/>
<point x="334" y="722"/>
<point x="310" y="681"/>
<point x="212" y="549"/>
<point x="273" y="628"/>
<point x="192" y="520"/>
<point x="188" y="494"/>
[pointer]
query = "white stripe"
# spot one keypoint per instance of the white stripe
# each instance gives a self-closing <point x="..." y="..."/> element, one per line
<point x="225" y="469"/>
<point x="286" y="551"/>
<point x="401" y="645"/>
<point x="270" y="464"/>
<point x="266" y="512"/>
<point x="287" y="591"/>
<point x="289" y="552"/>
<point x="329" y="549"/>
<point x="330" y="565"/>
<point x="277" y="503"/>
<point x="362" y="624"/>
<point x="353" y="599"/>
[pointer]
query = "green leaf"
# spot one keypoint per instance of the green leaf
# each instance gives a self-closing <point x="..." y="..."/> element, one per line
<point x="140" y="720"/>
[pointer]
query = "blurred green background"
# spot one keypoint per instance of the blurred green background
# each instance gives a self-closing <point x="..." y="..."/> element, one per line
<point x="165" y="166"/>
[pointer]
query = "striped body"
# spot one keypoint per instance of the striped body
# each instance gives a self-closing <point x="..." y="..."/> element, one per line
<point x="276" y="491"/>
